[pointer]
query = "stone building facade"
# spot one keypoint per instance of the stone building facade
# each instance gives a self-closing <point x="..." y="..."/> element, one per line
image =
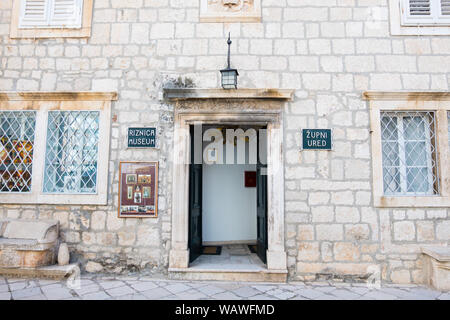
<point x="344" y="60"/>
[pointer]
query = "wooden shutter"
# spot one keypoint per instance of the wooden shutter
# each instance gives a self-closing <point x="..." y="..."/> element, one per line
<point x="425" y="12"/>
<point x="419" y="8"/>
<point x="33" y="13"/>
<point x="50" y="13"/>
<point x="445" y="8"/>
<point x="66" y="13"/>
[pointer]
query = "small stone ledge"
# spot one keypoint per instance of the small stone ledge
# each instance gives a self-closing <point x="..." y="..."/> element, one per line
<point x="407" y="96"/>
<point x="193" y="94"/>
<point x="439" y="253"/>
<point x="58" y="96"/>
<point x="436" y="267"/>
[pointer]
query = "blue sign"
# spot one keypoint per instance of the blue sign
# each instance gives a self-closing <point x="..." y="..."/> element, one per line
<point x="141" y="137"/>
<point x="317" y="139"/>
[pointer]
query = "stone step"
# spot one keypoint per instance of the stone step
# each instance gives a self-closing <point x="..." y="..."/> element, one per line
<point x="276" y="276"/>
<point x="55" y="272"/>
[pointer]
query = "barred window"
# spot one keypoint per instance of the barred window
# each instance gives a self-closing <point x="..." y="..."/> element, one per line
<point x="409" y="153"/>
<point x="16" y="150"/>
<point x="71" y="152"/>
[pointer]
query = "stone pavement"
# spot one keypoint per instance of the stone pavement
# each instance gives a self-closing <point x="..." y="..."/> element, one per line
<point x="141" y="288"/>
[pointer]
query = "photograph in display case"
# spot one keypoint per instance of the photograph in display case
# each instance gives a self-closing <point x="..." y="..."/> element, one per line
<point x="138" y="185"/>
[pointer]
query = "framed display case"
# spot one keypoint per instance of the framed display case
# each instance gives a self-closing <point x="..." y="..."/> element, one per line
<point x="138" y="190"/>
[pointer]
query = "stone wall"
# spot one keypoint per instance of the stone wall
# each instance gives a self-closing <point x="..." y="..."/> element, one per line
<point x="330" y="51"/>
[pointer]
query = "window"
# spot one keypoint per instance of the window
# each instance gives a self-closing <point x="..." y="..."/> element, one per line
<point x="410" y="148"/>
<point x="51" y="18"/>
<point x="50" y="14"/>
<point x="421" y="12"/>
<point x="420" y="17"/>
<point x="16" y="150"/>
<point x="71" y="152"/>
<point x="409" y="153"/>
<point x="54" y="147"/>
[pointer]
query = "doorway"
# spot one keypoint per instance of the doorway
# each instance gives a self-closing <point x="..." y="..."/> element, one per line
<point x="230" y="114"/>
<point x="228" y="196"/>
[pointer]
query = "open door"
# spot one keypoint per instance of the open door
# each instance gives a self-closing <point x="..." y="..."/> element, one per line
<point x="261" y="202"/>
<point x="195" y="201"/>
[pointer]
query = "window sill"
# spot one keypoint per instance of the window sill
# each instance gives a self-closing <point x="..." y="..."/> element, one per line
<point x="412" y="202"/>
<point x="69" y="199"/>
<point x="399" y="30"/>
<point x="42" y="33"/>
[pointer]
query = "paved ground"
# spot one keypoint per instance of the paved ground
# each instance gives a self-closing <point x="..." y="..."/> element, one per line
<point x="102" y="288"/>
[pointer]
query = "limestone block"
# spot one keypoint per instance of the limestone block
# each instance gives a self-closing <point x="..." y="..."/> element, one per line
<point x="346" y="251"/>
<point x="98" y="220"/>
<point x="425" y="230"/>
<point x="93" y="267"/>
<point x="347" y="214"/>
<point x="305" y="232"/>
<point x="308" y="251"/>
<point x="436" y="267"/>
<point x="42" y="231"/>
<point x="63" y="254"/>
<point x="357" y="232"/>
<point x="329" y="232"/>
<point x="443" y="230"/>
<point x="342" y="198"/>
<point x="322" y="214"/>
<point x="404" y="231"/>
<point x="401" y="276"/>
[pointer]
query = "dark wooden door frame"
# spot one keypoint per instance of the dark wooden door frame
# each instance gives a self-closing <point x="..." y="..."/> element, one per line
<point x="195" y="200"/>
<point x="261" y="206"/>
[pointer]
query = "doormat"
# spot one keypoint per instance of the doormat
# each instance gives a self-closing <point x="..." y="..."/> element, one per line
<point x="252" y="248"/>
<point x="212" y="250"/>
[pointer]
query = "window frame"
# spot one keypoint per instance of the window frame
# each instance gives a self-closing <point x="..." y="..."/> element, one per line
<point x="439" y="103"/>
<point x="400" y="115"/>
<point x="42" y="103"/>
<point x="79" y="169"/>
<point x="400" y="27"/>
<point x="37" y="32"/>
<point x="33" y="112"/>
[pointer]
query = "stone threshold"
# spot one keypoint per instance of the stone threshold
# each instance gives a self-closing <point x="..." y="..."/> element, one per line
<point x="54" y="272"/>
<point x="244" y="275"/>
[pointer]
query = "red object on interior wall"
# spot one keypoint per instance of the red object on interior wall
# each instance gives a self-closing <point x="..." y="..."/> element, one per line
<point x="250" y="179"/>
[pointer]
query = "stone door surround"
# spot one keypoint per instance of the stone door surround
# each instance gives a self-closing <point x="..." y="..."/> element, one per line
<point x="216" y="106"/>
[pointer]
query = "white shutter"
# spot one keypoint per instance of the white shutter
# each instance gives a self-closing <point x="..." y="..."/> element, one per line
<point x="445" y="8"/>
<point x="33" y="13"/>
<point x="425" y="12"/>
<point x="66" y="13"/>
<point x="419" y="8"/>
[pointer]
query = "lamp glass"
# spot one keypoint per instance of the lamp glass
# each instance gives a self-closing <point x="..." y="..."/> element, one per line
<point x="229" y="79"/>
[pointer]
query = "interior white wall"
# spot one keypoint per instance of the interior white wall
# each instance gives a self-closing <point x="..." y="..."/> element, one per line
<point x="229" y="209"/>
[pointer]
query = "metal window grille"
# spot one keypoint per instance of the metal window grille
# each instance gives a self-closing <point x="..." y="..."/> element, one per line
<point x="16" y="150"/>
<point x="71" y="152"/>
<point x="409" y="153"/>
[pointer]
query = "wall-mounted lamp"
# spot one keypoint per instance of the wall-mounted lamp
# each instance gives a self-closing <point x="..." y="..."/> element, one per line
<point x="229" y="76"/>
